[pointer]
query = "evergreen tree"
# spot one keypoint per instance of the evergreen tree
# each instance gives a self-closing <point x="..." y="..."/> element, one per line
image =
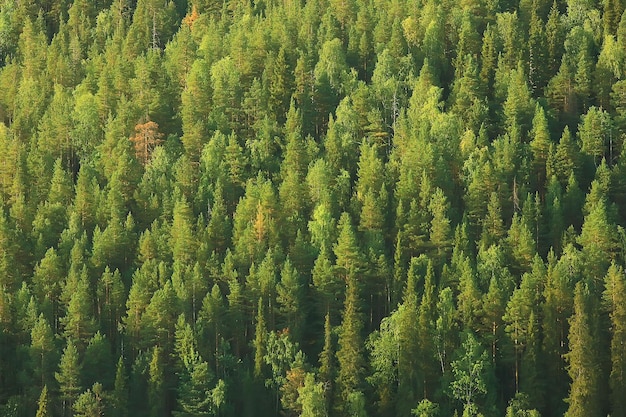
<point x="68" y="376"/>
<point x="119" y="397"/>
<point x="614" y="290"/>
<point x="156" y="384"/>
<point x="42" y="352"/>
<point x="349" y="353"/>
<point x="90" y="402"/>
<point x="349" y="261"/>
<point x="183" y="241"/>
<point x="583" y="362"/>
<point x="249" y="165"/>
<point x="78" y="323"/>
<point x="597" y="236"/>
<point x="493" y="228"/>
<point x="43" y="407"/>
<point x="594" y="132"/>
<point x="540" y="144"/>
<point x="98" y="365"/>
<point x="327" y="356"/>
<point x="259" y="340"/>
<point x="290" y="297"/>
<point x="537" y="52"/>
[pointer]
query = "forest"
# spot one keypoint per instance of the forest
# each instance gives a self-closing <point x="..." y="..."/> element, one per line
<point x="316" y="208"/>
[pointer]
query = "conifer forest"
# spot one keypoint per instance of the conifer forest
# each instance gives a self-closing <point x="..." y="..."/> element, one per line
<point x="316" y="208"/>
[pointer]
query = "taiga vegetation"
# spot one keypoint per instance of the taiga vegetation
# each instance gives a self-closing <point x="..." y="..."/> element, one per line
<point x="321" y="208"/>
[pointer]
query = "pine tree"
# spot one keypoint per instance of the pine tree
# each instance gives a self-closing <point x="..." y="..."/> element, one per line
<point x="612" y="13"/>
<point x="110" y="295"/>
<point x="183" y="240"/>
<point x="69" y="376"/>
<point x="426" y="330"/>
<point x="259" y="340"/>
<point x="493" y="228"/>
<point x="517" y="317"/>
<point x="119" y="397"/>
<point x="212" y="321"/>
<point x="488" y="57"/>
<point x="218" y="230"/>
<point x="518" y="107"/>
<point x="327" y="356"/>
<point x="90" y="402"/>
<point x="556" y="309"/>
<point x="43" y="407"/>
<point x="597" y="238"/>
<point x="615" y="287"/>
<point x="227" y="94"/>
<point x="79" y="324"/>
<point x="235" y="312"/>
<point x="290" y="297"/>
<point x="583" y="361"/>
<point x="350" y="346"/>
<point x="566" y="158"/>
<point x="195" y="396"/>
<point x="540" y="144"/>
<point x="349" y="261"/>
<point x="146" y="138"/>
<point x="521" y="243"/>
<point x="98" y="365"/>
<point x="440" y="229"/>
<point x="469" y="298"/>
<point x="159" y="318"/>
<point x="156" y="384"/>
<point x="47" y="284"/>
<point x="85" y="199"/>
<point x="537" y="49"/>
<point x="384" y="354"/>
<point x="594" y="132"/>
<point x="42" y="352"/>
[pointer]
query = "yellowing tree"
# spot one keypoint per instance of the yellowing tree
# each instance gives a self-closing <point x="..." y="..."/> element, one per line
<point x="146" y="138"/>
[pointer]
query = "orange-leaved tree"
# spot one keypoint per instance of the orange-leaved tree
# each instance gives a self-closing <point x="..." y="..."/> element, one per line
<point x="146" y="138"/>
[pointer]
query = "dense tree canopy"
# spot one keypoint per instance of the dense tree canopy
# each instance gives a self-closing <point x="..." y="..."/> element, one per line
<point x="312" y="208"/>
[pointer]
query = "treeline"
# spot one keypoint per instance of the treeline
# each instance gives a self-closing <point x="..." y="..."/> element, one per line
<point x="312" y="208"/>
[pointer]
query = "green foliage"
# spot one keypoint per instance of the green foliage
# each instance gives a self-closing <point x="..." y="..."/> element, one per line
<point x="583" y="367"/>
<point x="311" y="397"/>
<point x="42" y="352"/>
<point x="470" y="372"/>
<point x="43" y="407"/>
<point x="350" y="345"/>
<point x="423" y="199"/>
<point x="425" y="408"/>
<point x="68" y="376"/>
<point x="90" y="403"/>
<point x="196" y="394"/>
